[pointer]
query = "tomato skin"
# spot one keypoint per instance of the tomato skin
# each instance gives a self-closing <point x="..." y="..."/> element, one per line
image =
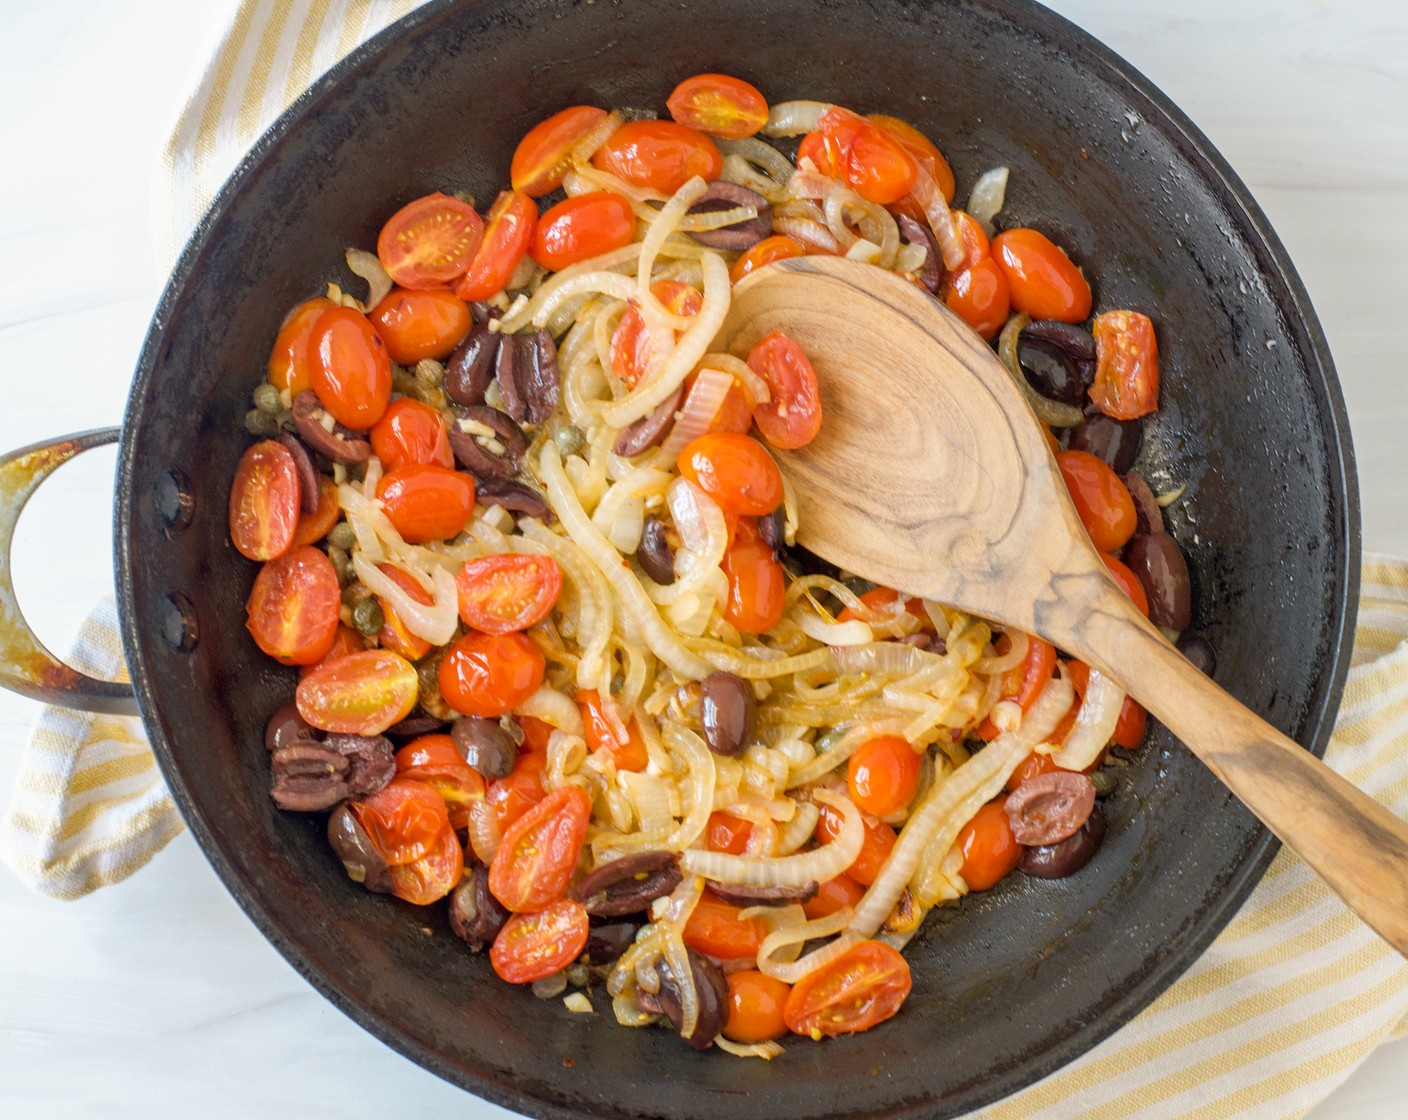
<point x="1126" y="365"/>
<point x="726" y="833"/>
<point x="361" y="694"/>
<point x="433" y="876"/>
<point x="757" y="585"/>
<point x="533" y="946"/>
<point x="583" y="226"/>
<point x="1133" y="719"/>
<point x="411" y="433"/>
<point x="539" y="851"/>
<point x="924" y="151"/>
<point x="292" y="612"/>
<point x="631" y="347"/>
<point x="1024" y="682"/>
<point x="861" y="988"/>
<point x="735" y="470"/>
<point x="978" y="294"/>
<point x="514" y="795"/>
<point x="871" y="160"/>
<point x="883" y="775"/>
<point x="1101" y="499"/>
<point x="832" y="895"/>
<point x="778" y="247"/>
<point x="289" y="358"/>
<point x="507" y="592"/>
<point x="403" y="821"/>
<point x="490" y="674"/>
<point x="350" y="368"/>
<point x="1033" y="766"/>
<point x="874" y="849"/>
<point x="791" y="417"/>
<point x="660" y="155"/>
<point x="544" y="154"/>
<point x="755" y="1003"/>
<point x="973" y="237"/>
<point x="420" y="324"/>
<point x="719" y="105"/>
<point x="429" y="242"/>
<point x="264" y="501"/>
<point x="436" y="761"/>
<point x="313" y="527"/>
<point x="990" y="852"/>
<point x="427" y="502"/>
<point x="508" y="231"/>
<point x="1129" y="583"/>
<point x="715" y="928"/>
<point x="345" y="641"/>
<point x="629" y="754"/>
<point x="1043" y="281"/>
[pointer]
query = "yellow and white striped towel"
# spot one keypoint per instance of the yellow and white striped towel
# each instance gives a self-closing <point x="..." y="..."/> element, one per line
<point x="1287" y="1001"/>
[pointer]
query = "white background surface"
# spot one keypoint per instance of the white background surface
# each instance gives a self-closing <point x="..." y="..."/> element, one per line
<point x="158" y="997"/>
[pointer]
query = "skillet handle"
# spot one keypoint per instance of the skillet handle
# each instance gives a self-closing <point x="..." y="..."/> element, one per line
<point x="26" y="666"/>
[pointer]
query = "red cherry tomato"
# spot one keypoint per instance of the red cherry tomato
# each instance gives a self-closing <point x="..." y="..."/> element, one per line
<point x="436" y="761"/>
<point x="791" y="417"/>
<point x="360" y="694"/>
<point x="289" y="359"/>
<point x="350" y="368"/>
<point x="660" y="155"/>
<point x="757" y="587"/>
<point x="978" y="295"/>
<point x="735" y="470"/>
<point x="1102" y="501"/>
<point x="715" y="928"/>
<point x="718" y="105"/>
<point x="726" y="833"/>
<point x="1126" y="365"/>
<point x="427" y="503"/>
<point x="871" y="160"/>
<point x="1043" y="281"/>
<point x="875" y="847"/>
<point x="420" y="324"/>
<point x="778" y="247"/>
<point x="989" y="849"/>
<point x="511" y="797"/>
<point x="582" y="227"/>
<point x="862" y="987"/>
<point x="1129" y="583"/>
<point x="832" y="895"/>
<point x="1033" y="766"/>
<point x="433" y="876"/>
<point x="544" y="155"/>
<point x="313" y="527"/>
<point x="264" y="501"/>
<point x="411" y="433"/>
<point x="345" y="641"/>
<point x="490" y="674"/>
<point x="538" y="854"/>
<point x="1129" y="728"/>
<point x="403" y="821"/>
<point x="632" y="350"/>
<point x="628" y="753"/>
<point x="924" y="151"/>
<point x="973" y="237"/>
<point x="507" y="592"/>
<point x="393" y="634"/>
<point x="429" y="242"/>
<point x="883" y="775"/>
<point x="755" y="1003"/>
<point x="293" y="607"/>
<point x="508" y="231"/>
<point x="882" y="601"/>
<point x="534" y="946"/>
<point x="1024" y="682"/>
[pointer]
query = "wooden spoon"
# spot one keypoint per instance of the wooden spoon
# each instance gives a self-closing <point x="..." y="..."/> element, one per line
<point x="932" y="476"/>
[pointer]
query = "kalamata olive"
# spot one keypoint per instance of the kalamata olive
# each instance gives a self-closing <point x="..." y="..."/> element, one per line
<point x="485" y="745"/>
<point x="650" y="429"/>
<point x="606" y="941"/>
<point x="354" y="848"/>
<point x="771" y="529"/>
<point x="487" y="442"/>
<point x="482" y="310"/>
<point x="285" y="726"/>
<point x="471" y="366"/>
<point x="712" y="991"/>
<point x="476" y="916"/>
<point x="416" y="724"/>
<point x="1048" y="808"/>
<point x="1056" y="861"/>
<point x="516" y="497"/>
<point x="1163" y="572"/>
<point x="341" y="445"/>
<point x="727" y="709"/>
<point x="1058" y="359"/>
<point x="309" y="776"/>
<point x="535" y="371"/>
<point x="1149" y="515"/>
<point x="914" y="232"/>
<point x="1114" y="441"/>
<point x="741" y="235"/>
<point x="657" y="558"/>
<point x="627" y="885"/>
<point x="1199" y="651"/>
<point x="738" y="895"/>
<point x="373" y="762"/>
<point x="923" y="639"/>
<point x="307" y="470"/>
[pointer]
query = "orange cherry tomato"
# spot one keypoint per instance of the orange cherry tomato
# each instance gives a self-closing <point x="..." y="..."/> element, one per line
<point x="826" y="154"/>
<point x="538" y="854"/>
<point x="314" y="526"/>
<point x="924" y="151"/>
<point x="1129" y="728"/>
<point x="735" y="470"/>
<point x="292" y="612"/>
<point x="755" y="1003"/>
<point x="508" y="591"/>
<point x="429" y="242"/>
<point x="874" y="849"/>
<point x="1102" y="501"/>
<point x="1033" y="766"/>
<point x="403" y="821"/>
<point x="360" y="694"/>
<point x="883" y="775"/>
<point x="632" y="350"/>
<point x="862" y="987"/>
<point x="882" y="601"/>
<point x="973" y="237"/>
<point x="778" y="247"/>
<point x="757" y="586"/>
<point x="832" y="895"/>
<point x="544" y="155"/>
<point x="628" y="754"/>
<point x="490" y="674"/>
<point x="978" y="295"/>
<point x="1126" y="365"/>
<point x="411" y="433"/>
<point x="1024" y="682"/>
<point x="508" y="231"/>
<point x="791" y="417"/>
<point x="288" y="361"/>
<point x="426" y="502"/>
<point x="393" y="634"/>
<point x="726" y="833"/>
<point x="735" y="411"/>
<point x="350" y="368"/>
<point x="534" y="946"/>
<point x="514" y="795"/>
<point x="1043" y="281"/>
<point x="719" y="105"/>
<point x="264" y="501"/>
<point x="872" y="161"/>
<point x="581" y="227"/>
<point x="433" y="876"/>
<point x="428" y="323"/>
<point x="660" y="155"/>
<point x="1129" y="583"/>
<point x="715" y="928"/>
<point x="345" y="641"/>
<point x="990" y="851"/>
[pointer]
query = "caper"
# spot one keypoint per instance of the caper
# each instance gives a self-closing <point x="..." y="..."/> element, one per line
<point x="618" y="682"/>
<point x="366" y="616"/>
<point x="569" y="438"/>
<point x="267" y="399"/>
<point x="354" y="593"/>
<point x="343" y="536"/>
<point x="1104" y="783"/>
<point x="260" y="423"/>
<point x="341" y="563"/>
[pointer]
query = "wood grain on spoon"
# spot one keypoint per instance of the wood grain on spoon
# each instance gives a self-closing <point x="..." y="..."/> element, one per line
<point x="932" y="476"/>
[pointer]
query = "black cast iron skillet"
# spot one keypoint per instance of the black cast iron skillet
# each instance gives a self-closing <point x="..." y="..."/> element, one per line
<point x="1021" y="979"/>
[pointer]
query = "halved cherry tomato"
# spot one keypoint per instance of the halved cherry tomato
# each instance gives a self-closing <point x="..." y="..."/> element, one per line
<point x="883" y="601"/>
<point x="1024" y="682"/>
<point x="601" y="735"/>
<point x="1133" y="719"/>
<point x="1033" y="766"/>
<point x="883" y="775"/>
<point x="924" y="151"/>
<point x="314" y="526"/>
<point x="1129" y="583"/>
<point x="632" y="350"/>
<point x="874" y="848"/>
<point x="1101" y="499"/>
<point x="428" y="323"/>
<point x="345" y="641"/>
<point x="426" y="502"/>
<point x="292" y="611"/>
<point x="507" y="591"/>
<point x="429" y="242"/>
<point x="715" y="928"/>
<point x="733" y="414"/>
<point x="288" y="360"/>
<point x="1043" y="281"/>
<point x="990" y="851"/>
<point x="862" y="987"/>
<point x="534" y="946"/>
<point x="393" y="634"/>
<point x="360" y="694"/>
<point x="349" y="368"/>
<point x="433" y="876"/>
<point x="403" y="821"/>
<point x="791" y="417"/>
<point x="490" y="674"/>
<point x="411" y="433"/>
<point x="1126" y="365"/>
<point x="538" y="854"/>
<point x="585" y="225"/>
<point x="826" y="154"/>
<point x="757" y="586"/>
<point x="755" y="1003"/>
<point x="778" y="247"/>
<point x="543" y="156"/>
<point x="726" y="833"/>
<point x="436" y="761"/>
<point x="719" y="105"/>
<point x="832" y="895"/>
<point x="660" y="155"/>
<point x="978" y="295"/>
<point x="735" y="470"/>
<point x="872" y="161"/>
<point x="508" y="231"/>
<point x="264" y="501"/>
<point x="514" y="795"/>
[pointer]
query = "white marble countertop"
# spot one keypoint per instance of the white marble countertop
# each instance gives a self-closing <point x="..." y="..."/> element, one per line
<point x="158" y="997"/>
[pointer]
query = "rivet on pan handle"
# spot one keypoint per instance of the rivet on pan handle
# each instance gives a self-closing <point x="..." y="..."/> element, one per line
<point x="26" y="666"/>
